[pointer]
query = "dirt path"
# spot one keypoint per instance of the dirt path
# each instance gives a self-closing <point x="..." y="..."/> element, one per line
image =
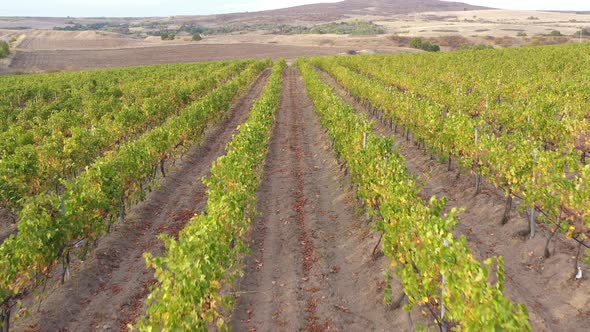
<point x="109" y="289"/>
<point x="311" y="267"/>
<point x="554" y="300"/>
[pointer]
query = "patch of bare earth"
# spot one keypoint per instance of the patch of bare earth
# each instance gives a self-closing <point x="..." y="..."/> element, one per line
<point x="311" y="267"/>
<point x="62" y="60"/>
<point x="555" y="301"/>
<point x="109" y="289"/>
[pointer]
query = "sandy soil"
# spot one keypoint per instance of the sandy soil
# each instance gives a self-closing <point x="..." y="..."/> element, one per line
<point x="555" y="301"/>
<point x="108" y="290"/>
<point x="311" y="267"/>
<point x="50" y="40"/>
<point x="66" y="40"/>
<point x="513" y="16"/>
<point x="497" y="23"/>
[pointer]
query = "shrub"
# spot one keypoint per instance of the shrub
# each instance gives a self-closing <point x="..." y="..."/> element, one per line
<point x="425" y="45"/>
<point x="197" y="37"/>
<point x="4" y="49"/>
<point x="194" y="29"/>
<point x="416" y="43"/>
<point x="434" y="48"/>
<point x="555" y="33"/>
<point x="521" y="34"/>
<point x="583" y="32"/>
<point x="167" y="36"/>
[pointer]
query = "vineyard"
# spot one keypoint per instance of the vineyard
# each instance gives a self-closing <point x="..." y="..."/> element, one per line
<point x="442" y="192"/>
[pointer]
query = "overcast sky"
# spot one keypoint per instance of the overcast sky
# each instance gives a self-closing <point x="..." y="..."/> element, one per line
<point x="200" y="7"/>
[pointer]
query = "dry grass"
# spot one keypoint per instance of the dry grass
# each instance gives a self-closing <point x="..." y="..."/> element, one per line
<point x="498" y="23"/>
<point x="452" y="42"/>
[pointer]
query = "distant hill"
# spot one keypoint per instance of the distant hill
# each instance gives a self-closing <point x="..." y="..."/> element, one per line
<point x="373" y="7"/>
<point x="338" y="10"/>
<point x="300" y="15"/>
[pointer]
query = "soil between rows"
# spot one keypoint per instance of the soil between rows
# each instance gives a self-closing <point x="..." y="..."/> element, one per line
<point x="311" y="267"/>
<point x="109" y="289"/>
<point x="555" y="301"/>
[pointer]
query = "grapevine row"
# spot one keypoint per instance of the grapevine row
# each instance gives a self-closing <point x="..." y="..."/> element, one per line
<point x="86" y="105"/>
<point x="520" y="90"/>
<point x="35" y="168"/>
<point x="207" y="255"/>
<point x="435" y="268"/>
<point x="50" y="223"/>
<point x="36" y="97"/>
<point x="548" y="180"/>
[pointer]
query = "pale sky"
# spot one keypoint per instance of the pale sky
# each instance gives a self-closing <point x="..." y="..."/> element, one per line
<point x="112" y="8"/>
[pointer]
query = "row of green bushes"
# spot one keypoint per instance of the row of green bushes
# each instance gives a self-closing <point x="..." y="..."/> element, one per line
<point x="171" y="36"/>
<point x="197" y="273"/>
<point x="556" y="33"/>
<point x="423" y="44"/>
<point x="475" y="47"/>
<point x="340" y="28"/>
<point x="344" y="28"/>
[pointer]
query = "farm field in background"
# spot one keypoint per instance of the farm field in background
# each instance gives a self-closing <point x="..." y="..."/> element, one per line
<point x="48" y="44"/>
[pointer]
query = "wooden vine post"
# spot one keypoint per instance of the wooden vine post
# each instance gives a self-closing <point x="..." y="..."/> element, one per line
<point x="477" y="175"/>
<point x="443" y="322"/>
<point x="532" y="208"/>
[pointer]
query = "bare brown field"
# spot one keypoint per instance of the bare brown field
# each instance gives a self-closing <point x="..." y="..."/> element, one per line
<point x="65" y="60"/>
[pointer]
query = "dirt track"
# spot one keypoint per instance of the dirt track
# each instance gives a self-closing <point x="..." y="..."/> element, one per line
<point x="311" y="267"/>
<point x="109" y="289"/>
<point x="64" y="60"/>
<point x="555" y="301"/>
